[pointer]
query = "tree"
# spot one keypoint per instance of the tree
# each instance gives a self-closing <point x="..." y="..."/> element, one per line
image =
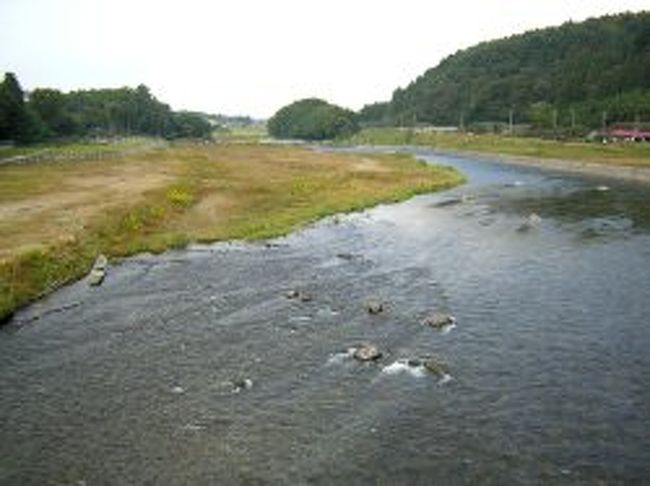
<point x="312" y="119"/>
<point x="12" y="109"/>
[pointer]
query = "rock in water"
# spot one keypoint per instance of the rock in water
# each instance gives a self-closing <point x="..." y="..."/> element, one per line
<point x="532" y="221"/>
<point x="298" y="295"/>
<point x="242" y="384"/>
<point x="367" y="352"/>
<point x="436" y="366"/>
<point x="98" y="272"/>
<point x="439" y="320"/>
<point x="374" y="307"/>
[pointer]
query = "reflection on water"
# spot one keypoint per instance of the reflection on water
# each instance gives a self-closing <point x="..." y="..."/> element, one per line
<point x="194" y="367"/>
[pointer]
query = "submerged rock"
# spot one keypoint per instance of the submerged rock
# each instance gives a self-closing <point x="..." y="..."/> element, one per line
<point x="346" y="256"/>
<point x="436" y="366"/>
<point x="439" y="320"/>
<point x="367" y="352"/>
<point x="241" y="384"/>
<point x="374" y="306"/>
<point x="298" y="295"/>
<point x="532" y="221"/>
<point x="98" y="272"/>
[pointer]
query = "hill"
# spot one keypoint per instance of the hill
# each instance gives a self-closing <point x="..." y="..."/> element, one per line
<point x="572" y="75"/>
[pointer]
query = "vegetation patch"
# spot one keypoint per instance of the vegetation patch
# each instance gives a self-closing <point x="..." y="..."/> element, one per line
<point x="58" y="217"/>
<point x="623" y="154"/>
<point x="312" y="119"/>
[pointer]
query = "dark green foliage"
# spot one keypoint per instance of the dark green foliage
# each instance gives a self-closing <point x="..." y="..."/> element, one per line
<point x="49" y="113"/>
<point x="15" y="118"/>
<point x="562" y="76"/>
<point x="312" y="119"/>
<point x="377" y="114"/>
<point x="191" y="125"/>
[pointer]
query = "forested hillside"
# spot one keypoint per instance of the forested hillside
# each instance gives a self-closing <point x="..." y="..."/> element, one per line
<point x="578" y="74"/>
<point x="48" y="113"/>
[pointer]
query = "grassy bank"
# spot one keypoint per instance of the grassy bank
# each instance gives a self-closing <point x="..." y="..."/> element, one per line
<point x="56" y="217"/>
<point x="616" y="154"/>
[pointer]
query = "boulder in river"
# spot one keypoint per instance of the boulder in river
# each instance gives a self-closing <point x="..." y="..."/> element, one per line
<point x="366" y="352"/>
<point x="241" y="384"/>
<point x="439" y="320"/>
<point x="298" y="295"/>
<point x="374" y="306"/>
<point x="532" y="221"/>
<point x="98" y="272"/>
<point x="435" y="365"/>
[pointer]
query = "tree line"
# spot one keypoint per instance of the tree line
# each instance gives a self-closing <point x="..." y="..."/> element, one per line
<point x="578" y="75"/>
<point x="47" y="113"/>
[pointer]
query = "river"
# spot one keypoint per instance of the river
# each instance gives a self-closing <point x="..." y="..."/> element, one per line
<point x="193" y="367"/>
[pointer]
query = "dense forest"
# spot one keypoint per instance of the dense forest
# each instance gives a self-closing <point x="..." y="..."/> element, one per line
<point x="312" y="119"/>
<point x="578" y="75"/>
<point x="48" y="113"/>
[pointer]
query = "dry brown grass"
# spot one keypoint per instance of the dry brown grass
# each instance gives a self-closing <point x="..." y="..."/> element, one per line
<point x="56" y="217"/>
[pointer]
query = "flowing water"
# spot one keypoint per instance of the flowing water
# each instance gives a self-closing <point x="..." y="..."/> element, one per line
<point x="193" y="367"/>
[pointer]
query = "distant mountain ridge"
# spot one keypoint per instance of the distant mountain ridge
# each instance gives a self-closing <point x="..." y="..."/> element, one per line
<point x="571" y="74"/>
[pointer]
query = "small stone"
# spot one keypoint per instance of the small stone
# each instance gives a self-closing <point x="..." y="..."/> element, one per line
<point x="439" y="320"/>
<point x="436" y="366"/>
<point x="298" y="295"/>
<point x="242" y="384"/>
<point x="374" y="307"/>
<point x="531" y="222"/>
<point x="96" y="276"/>
<point x="305" y="297"/>
<point x="101" y="262"/>
<point x="345" y="256"/>
<point x="414" y="362"/>
<point x="367" y="352"/>
<point x="177" y="390"/>
<point x="98" y="272"/>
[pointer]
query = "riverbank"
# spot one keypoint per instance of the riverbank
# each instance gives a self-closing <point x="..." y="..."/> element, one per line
<point x="56" y="217"/>
<point x="626" y="172"/>
<point x="629" y="161"/>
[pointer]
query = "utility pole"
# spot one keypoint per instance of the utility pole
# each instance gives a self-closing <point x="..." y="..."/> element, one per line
<point x="555" y="120"/>
<point x="461" y="122"/>
<point x="604" y="121"/>
<point x="511" y="120"/>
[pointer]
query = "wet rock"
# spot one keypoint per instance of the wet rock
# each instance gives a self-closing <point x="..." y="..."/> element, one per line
<point x="436" y="366"/>
<point x="439" y="320"/>
<point x="98" y="272"/>
<point x="345" y="256"/>
<point x="414" y="362"/>
<point x="374" y="306"/>
<point x="298" y="295"/>
<point x="450" y="202"/>
<point x="241" y="384"/>
<point x="532" y="221"/>
<point x="367" y="352"/>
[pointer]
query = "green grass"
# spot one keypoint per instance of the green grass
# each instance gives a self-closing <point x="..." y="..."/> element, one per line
<point x="625" y="154"/>
<point x="197" y="193"/>
<point x="79" y="147"/>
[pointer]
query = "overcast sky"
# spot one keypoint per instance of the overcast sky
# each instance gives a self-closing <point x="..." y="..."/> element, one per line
<point x="254" y="56"/>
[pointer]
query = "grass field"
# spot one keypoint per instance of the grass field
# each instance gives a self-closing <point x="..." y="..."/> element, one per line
<point x="625" y="154"/>
<point x="56" y="217"/>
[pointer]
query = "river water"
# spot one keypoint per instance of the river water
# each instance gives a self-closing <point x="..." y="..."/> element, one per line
<point x="193" y="367"/>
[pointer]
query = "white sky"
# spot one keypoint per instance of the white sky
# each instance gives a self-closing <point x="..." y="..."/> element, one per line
<point x="254" y="56"/>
